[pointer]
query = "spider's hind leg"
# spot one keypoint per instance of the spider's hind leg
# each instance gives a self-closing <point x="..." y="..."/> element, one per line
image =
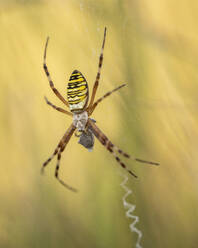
<point x="95" y="87"/>
<point x="92" y="107"/>
<point x="56" y="92"/>
<point x="57" y="108"/>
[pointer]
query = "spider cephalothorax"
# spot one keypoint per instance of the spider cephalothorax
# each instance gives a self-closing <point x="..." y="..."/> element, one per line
<point x="80" y="110"/>
<point x="80" y="120"/>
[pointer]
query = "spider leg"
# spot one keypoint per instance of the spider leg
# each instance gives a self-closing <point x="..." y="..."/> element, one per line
<point x="111" y="147"/>
<point x="62" y="148"/>
<point x="107" y="143"/>
<point x="60" y="144"/>
<point x="136" y="159"/>
<point x="126" y="155"/>
<point x="49" y="77"/>
<point x="57" y="108"/>
<point x="119" y="161"/>
<point x="92" y="108"/>
<point x="95" y="87"/>
<point x="57" y="170"/>
<point x="49" y="159"/>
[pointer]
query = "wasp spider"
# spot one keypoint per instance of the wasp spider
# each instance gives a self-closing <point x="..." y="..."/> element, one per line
<point x="81" y="110"/>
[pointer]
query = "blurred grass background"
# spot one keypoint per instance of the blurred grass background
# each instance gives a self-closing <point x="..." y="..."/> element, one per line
<point x="153" y="47"/>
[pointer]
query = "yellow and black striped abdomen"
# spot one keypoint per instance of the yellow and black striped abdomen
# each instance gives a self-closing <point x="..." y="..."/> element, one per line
<point x="77" y="92"/>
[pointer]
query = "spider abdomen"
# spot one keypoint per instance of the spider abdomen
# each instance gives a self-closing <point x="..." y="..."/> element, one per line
<point x="77" y="92"/>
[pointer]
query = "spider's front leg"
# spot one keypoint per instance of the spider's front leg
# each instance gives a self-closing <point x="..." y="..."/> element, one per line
<point x="107" y="143"/>
<point x="111" y="147"/>
<point x="58" y="166"/>
<point x="59" y="149"/>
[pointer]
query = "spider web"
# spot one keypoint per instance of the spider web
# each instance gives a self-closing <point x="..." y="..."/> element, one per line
<point x="129" y="212"/>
